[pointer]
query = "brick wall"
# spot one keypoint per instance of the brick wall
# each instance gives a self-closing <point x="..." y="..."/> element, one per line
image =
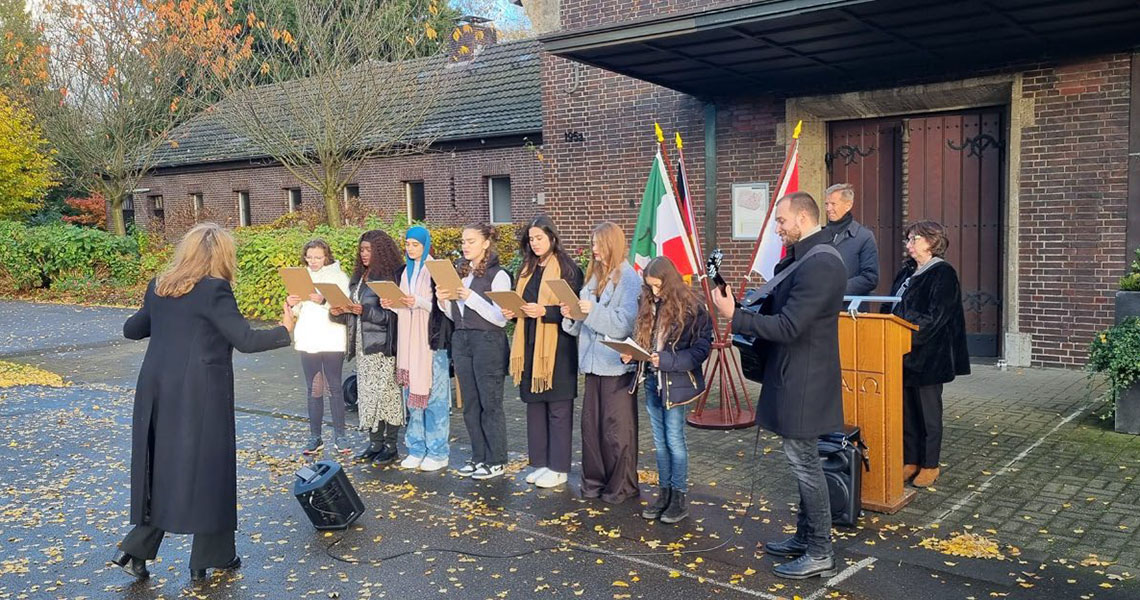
<point x="1073" y="203"/>
<point x="455" y="187"/>
<point x="598" y="130"/>
<point x="599" y="172"/>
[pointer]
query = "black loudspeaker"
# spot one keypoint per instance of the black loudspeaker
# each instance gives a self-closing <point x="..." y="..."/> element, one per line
<point x="326" y="495"/>
<point x="844" y="457"/>
<point x="350" y="393"/>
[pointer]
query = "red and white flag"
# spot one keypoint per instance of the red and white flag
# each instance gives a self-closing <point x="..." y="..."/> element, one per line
<point x="769" y="247"/>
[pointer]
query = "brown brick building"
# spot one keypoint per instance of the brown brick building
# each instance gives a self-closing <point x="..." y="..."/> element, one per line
<point x="486" y="165"/>
<point x="1011" y="122"/>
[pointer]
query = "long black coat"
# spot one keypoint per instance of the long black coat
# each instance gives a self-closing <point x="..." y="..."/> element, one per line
<point x="565" y="384"/>
<point x="183" y="453"/>
<point x="933" y="301"/>
<point x="801" y="393"/>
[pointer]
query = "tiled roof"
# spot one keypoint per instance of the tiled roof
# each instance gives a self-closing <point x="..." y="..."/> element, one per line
<point x="496" y="93"/>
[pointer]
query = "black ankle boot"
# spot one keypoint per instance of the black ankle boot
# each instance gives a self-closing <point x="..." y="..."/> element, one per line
<point x="677" y="510"/>
<point x="136" y="567"/>
<point x="375" y="446"/>
<point x="200" y="575"/>
<point x="653" y="511"/>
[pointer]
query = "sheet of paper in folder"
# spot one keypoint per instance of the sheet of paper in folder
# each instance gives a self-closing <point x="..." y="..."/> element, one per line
<point x="444" y="275"/>
<point x="297" y="281"/>
<point x="566" y="295"/>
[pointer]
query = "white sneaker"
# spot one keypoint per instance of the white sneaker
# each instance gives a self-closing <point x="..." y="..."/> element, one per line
<point x="535" y="474"/>
<point x="430" y="464"/>
<point x="411" y="462"/>
<point x="551" y="479"/>
<point x="488" y="471"/>
<point x="468" y="468"/>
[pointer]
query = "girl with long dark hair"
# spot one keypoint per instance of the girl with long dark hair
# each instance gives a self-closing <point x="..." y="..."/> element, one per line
<point x="674" y="325"/>
<point x="544" y="357"/>
<point x="372" y="341"/>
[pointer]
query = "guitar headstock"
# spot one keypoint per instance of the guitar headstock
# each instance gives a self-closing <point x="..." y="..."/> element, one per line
<point x="712" y="268"/>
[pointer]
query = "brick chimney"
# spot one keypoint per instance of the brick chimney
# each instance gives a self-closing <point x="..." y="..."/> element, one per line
<point x="471" y="35"/>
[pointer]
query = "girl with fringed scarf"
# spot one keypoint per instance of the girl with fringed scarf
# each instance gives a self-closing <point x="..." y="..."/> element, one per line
<point x="544" y="358"/>
<point x="422" y="363"/>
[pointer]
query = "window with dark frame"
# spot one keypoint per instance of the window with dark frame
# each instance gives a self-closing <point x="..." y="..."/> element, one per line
<point x="499" y="191"/>
<point x="293" y="199"/>
<point x="128" y="210"/>
<point x="414" y="192"/>
<point x="244" y="218"/>
<point x="196" y="204"/>
<point x="157" y="208"/>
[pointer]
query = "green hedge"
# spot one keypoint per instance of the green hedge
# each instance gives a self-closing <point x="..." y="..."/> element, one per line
<point x="52" y="255"/>
<point x="65" y="261"/>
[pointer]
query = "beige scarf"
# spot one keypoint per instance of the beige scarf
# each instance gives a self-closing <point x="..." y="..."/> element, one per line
<point x="545" y="335"/>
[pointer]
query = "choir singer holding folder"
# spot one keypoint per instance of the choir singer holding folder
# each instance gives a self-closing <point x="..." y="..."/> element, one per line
<point x="544" y="358"/>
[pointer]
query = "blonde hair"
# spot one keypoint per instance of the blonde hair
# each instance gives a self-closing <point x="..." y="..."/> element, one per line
<point x="611" y="241"/>
<point x="207" y="250"/>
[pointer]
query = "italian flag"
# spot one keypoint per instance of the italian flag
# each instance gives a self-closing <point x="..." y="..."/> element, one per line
<point x="660" y="230"/>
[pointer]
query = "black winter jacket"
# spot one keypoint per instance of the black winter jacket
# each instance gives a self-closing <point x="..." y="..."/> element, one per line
<point x="681" y="361"/>
<point x="377" y="323"/>
<point x="933" y="301"/>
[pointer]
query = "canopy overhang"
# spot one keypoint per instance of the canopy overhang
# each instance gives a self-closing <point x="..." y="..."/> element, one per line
<point x="795" y="47"/>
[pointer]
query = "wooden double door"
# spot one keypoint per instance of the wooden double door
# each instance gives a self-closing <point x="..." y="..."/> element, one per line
<point x="946" y="167"/>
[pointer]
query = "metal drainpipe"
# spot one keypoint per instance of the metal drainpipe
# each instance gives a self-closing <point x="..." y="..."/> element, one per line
<point x="710" y="178"/>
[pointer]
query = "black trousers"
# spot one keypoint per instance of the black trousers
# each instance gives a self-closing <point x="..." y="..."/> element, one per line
<point x="922" y="425"/>
<point x="549" y="433"/>
<point x="208" y="551"/>
<point x="609" y="438"/>
<point x="480" y="359"/>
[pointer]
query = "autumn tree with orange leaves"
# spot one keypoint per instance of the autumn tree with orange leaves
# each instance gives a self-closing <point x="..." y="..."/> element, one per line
<point x="123" y="74"/>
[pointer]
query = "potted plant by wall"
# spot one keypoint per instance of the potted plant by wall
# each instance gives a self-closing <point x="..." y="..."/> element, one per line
<point x="1128" y="296"/>
<point x="1115" y="352"/>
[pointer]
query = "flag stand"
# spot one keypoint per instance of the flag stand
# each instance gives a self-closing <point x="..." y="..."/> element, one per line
<point x="734" y="411"/>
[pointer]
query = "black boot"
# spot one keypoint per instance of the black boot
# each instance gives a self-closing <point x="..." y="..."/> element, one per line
<point x="135" y="567"/>
<point x="391" y="453"/>
<point x="653" y="511"/>
<point x="677" y="510"/>
<point x="375" y="446"/>
<point x="200" y="575"/>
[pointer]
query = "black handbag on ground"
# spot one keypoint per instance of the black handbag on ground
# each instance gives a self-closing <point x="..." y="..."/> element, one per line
<point x="844" y="456"/>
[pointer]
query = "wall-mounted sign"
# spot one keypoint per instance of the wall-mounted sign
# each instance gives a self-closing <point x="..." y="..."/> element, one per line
<point x="749" y="207"/>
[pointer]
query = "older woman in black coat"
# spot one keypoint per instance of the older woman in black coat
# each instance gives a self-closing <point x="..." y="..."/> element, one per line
<point x="931" y="299"/>
<point x="183" y="452"/>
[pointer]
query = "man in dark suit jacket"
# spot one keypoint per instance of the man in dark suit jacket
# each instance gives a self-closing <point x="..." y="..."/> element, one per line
<point x="801" y="397"/>
<point x="855" y="243"/>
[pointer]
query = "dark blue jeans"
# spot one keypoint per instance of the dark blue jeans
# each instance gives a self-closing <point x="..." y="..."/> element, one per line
<point x="813" y="524"/>
<point x="668" y="438"/>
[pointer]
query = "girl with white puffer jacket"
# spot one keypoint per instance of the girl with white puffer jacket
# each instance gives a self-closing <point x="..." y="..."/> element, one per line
<point x="321" y="343"/>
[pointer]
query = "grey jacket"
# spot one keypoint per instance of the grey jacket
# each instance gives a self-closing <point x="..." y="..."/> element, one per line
<point x="613" y="315"/>
<point x="856" y="244"/>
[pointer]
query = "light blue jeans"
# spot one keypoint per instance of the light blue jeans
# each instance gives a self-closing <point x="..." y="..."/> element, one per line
<point x="428" y="428"/>
<point x="668" y="438"/>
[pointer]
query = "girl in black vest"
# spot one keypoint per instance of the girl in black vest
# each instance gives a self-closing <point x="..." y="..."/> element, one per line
<point x="544" y="358"/>
<point x="479" y="350"/>
<point x="672" y="324"/>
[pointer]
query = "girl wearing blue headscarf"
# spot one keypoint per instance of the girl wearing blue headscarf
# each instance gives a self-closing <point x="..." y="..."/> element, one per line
<point x="422" y="363"/>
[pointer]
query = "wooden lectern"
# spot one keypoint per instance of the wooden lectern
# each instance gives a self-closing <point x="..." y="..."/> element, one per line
<point x="871" y="348"/>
